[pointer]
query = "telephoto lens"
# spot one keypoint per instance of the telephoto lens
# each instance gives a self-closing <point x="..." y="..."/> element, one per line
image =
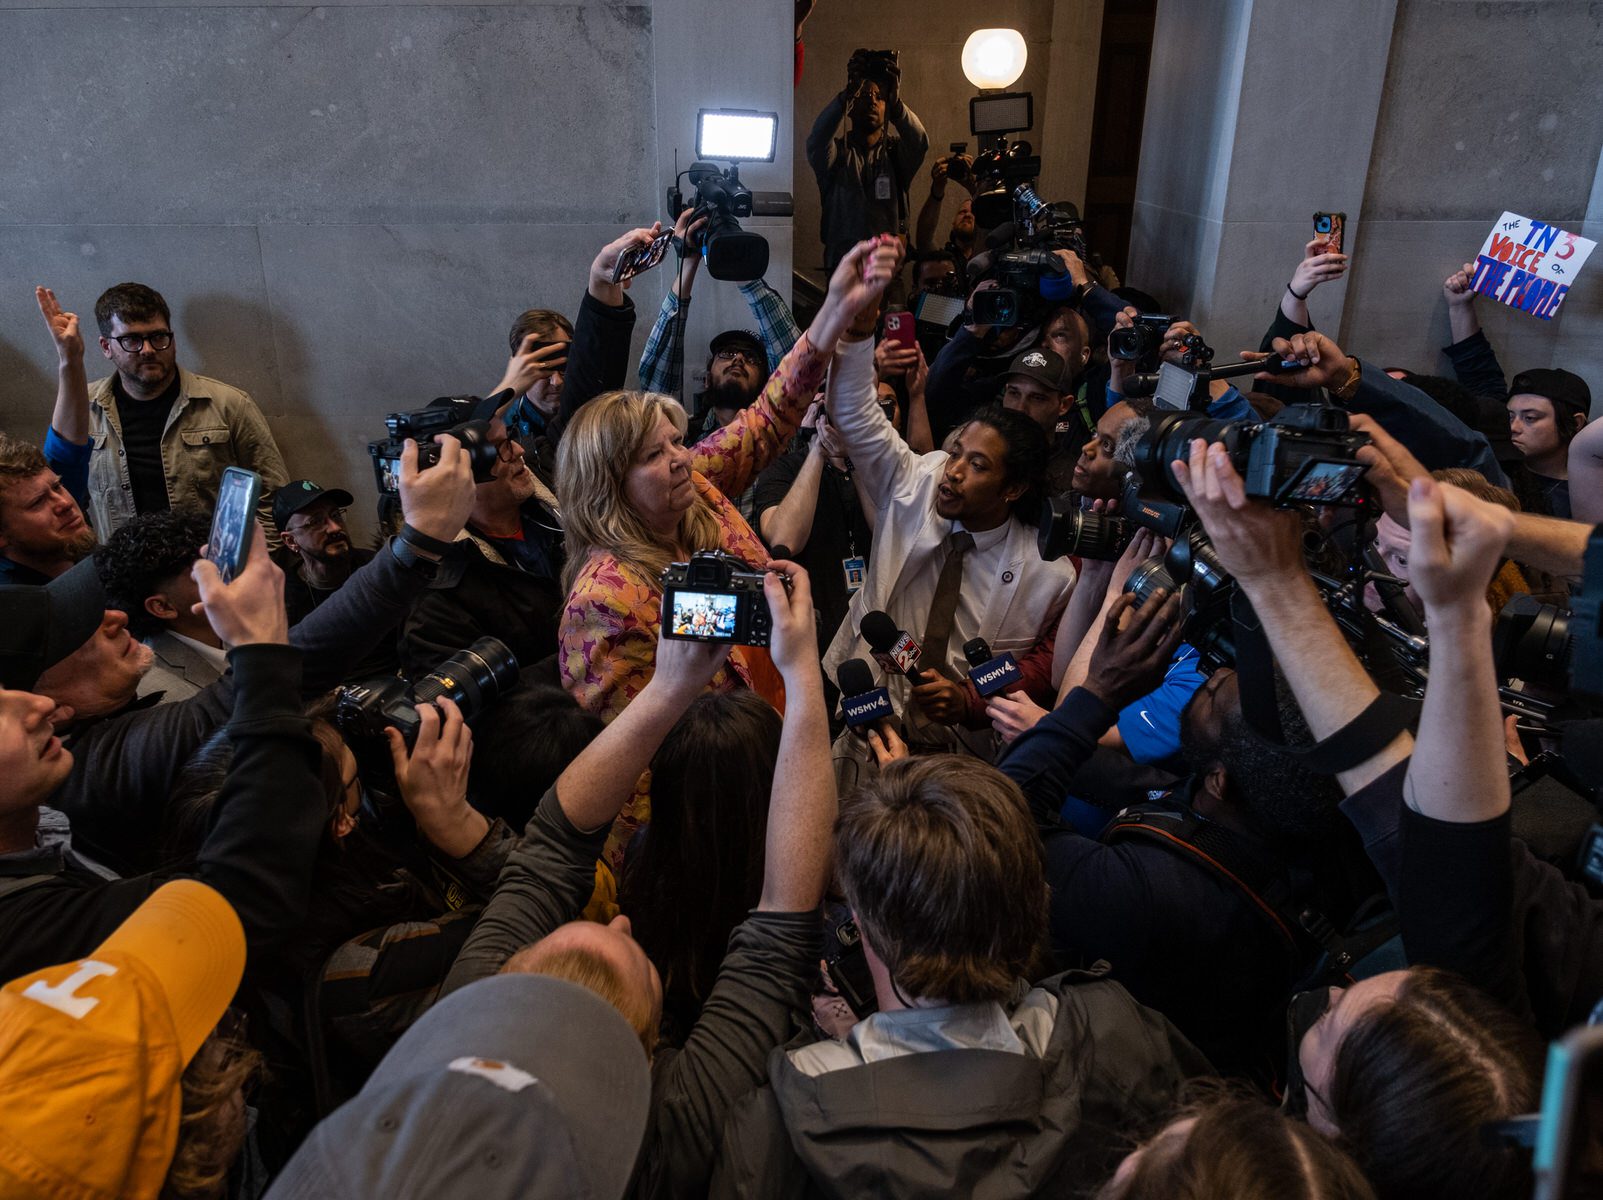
<point x="471" y="678"/>
<point x="1067" y="529"/>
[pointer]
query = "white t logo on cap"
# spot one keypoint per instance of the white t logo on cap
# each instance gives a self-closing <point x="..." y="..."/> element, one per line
<point x="61" y="997"/>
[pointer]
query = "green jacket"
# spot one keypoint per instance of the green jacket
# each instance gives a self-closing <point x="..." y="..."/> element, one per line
<point x="212" y="425"/>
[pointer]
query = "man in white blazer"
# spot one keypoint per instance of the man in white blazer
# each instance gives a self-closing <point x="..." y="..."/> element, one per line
<point x="929" y="510"/>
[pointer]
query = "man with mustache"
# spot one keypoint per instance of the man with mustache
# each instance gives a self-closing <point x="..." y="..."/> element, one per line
<point x="318" y="557"/>
<point x="162" y="436"/>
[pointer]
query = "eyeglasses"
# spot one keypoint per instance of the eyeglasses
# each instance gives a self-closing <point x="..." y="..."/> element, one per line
<point x="334" y="515"/>
<point x="133" y="343"/>
<point x="730" y="353"/>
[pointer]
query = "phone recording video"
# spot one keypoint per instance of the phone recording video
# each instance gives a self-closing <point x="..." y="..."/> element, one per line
<point x="229" y="545"/>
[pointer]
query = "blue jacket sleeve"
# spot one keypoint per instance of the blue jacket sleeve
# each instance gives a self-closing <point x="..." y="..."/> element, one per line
<point x="1044" y="759"/>
<point x="1432" y="434"/>
<point x="71" y="465"/>
<point x="1231" y="406"/>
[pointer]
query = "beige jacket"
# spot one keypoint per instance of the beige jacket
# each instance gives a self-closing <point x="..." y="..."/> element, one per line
<point x="212" y="426"/>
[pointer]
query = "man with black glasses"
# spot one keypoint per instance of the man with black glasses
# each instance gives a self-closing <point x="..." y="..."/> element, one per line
<point x="163" y="436"/>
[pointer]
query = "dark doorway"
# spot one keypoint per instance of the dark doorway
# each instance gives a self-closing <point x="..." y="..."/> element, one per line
<point x="1121" y="104"/>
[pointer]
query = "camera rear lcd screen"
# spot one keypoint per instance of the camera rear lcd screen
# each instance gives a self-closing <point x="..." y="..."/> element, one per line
<point x="1325" y="482"/>
<point x="709" y="616"/>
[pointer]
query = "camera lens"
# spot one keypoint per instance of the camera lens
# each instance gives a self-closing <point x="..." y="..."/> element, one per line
<point x="475" y="439"/>
<point x="1067" y="529"/>
<point x="1148" y="578"/>
<point x="1169" y="437"/>
<point x="471" y="678"/>
<point x="1532" y="641"/>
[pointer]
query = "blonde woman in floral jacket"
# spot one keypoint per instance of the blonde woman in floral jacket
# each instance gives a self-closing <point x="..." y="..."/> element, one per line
<point x="635" y="498"/>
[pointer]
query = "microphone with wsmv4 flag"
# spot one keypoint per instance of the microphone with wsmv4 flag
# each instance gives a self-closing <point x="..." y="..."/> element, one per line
<point x="861" y="703"/>
<point x="989" y="675"/>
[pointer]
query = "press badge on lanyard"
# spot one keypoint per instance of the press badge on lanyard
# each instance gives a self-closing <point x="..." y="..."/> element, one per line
<point x="882" y="187"/>
<point x="853" y="568"/>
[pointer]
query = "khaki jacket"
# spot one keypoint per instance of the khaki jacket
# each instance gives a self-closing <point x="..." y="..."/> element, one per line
<point x="211" y="426"/>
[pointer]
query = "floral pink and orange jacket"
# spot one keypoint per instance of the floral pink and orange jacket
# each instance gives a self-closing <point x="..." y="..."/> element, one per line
<point x="607" y="642"/>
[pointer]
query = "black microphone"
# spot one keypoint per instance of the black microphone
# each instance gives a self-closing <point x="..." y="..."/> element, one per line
<point x="782" y="551"/>
<point x="989" y="674"/>
<point x="893" y="649"/>
<point x="860" y="701"/>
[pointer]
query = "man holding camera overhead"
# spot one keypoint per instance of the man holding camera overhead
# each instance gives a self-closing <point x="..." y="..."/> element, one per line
<point x="863" y="177"/>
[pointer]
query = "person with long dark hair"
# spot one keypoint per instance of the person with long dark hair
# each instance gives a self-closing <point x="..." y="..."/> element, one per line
<point x="696" y="870"/>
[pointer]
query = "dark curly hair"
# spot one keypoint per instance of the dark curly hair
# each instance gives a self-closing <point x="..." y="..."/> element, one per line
<point x="1027" y="454"/>
<point x="148" y="552"/>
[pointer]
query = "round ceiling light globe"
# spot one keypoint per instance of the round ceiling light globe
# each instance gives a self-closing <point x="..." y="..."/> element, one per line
<point x="994" y="58"/>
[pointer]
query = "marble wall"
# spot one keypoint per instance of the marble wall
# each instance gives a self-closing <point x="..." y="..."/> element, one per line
<point x="1423" y="120"/>
<point x="346" y="205"/>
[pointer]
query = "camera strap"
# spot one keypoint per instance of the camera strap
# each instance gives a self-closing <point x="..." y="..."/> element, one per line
<point x="1366" y="735"/>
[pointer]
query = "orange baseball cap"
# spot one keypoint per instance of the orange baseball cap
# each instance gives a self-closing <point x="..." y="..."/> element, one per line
<point x="91" y="1052"/>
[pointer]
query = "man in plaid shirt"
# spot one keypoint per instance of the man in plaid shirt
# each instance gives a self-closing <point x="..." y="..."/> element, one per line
<point x="738" y="360"/>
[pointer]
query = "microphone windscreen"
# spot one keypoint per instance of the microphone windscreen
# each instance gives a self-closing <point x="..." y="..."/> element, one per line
<point x="782" y="551"/>
<point x="978" y="652"/>
<point x="854" y="677"/>
<point x="878" y="630"/>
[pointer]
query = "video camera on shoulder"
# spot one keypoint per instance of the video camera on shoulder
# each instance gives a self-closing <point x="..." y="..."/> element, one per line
<point x="448" y="414"/>
<point x="1029" y="274"/>
<point x="715" y="597"/>
<point x="1066" y="529"/>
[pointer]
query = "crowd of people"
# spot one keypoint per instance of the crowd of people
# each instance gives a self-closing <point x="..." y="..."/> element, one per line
<point x="307" y="890"/>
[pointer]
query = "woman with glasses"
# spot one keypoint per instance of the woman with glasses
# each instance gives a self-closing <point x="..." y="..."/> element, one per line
<point x="635" y="497"/>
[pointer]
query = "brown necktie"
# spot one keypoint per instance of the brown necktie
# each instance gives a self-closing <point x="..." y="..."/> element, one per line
<point x="938" y="630"/>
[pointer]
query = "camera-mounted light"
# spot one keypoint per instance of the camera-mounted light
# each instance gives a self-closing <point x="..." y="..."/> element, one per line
<point x="736" y="135"/>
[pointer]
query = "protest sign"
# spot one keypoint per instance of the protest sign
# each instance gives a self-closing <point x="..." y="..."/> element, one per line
<point x="1529" y="265"/>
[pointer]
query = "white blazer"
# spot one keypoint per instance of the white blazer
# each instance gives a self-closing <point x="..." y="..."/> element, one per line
<point x="1027" y="593"/>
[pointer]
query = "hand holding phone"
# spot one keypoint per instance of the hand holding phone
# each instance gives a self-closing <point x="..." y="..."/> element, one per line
<point x="1330" y="228"/>
<point x="639" y="259"/>
<point x="229" y="547"/>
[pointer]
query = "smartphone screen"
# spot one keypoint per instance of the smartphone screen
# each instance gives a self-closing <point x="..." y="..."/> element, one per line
<point x="637" y="259"/>
<point x="1329" y="228"/>
<point x="229" y="545"/>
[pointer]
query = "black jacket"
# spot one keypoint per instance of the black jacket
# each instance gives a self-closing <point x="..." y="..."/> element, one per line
<point x="1181" y="937"/>
<point x="258" y="854"/>
<point x="598" y="360"/>
<point x="116" y="796"/>
<point x="1474" y="899"/>
<point x="492" y="598"/>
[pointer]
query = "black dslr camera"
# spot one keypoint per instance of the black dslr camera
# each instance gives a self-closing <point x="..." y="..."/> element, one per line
<point x="472" y="678"/>
<point x="449" y="414"/>
<point x="1141" y="343"/>
<point x="1304" y="454"/>
<point x="1554" y="650"/>
<point x="715" y="597"/>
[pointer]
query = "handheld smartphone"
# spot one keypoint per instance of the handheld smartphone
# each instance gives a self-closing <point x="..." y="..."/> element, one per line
<point x="1329" y="227"/>
<point x="637" y="259"/>
<point x="899" y="328"/>
<point x="1569" y="1141"/>
<point x="229" y="546"/>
